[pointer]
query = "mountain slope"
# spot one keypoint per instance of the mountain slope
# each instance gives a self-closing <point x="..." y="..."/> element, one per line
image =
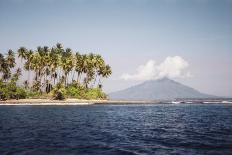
<point x="157" y="89"/>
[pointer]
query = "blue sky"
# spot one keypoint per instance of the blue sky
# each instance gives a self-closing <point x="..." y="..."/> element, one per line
<point x="129" y="33"/>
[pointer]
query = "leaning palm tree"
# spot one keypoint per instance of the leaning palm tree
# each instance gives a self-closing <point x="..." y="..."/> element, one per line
<point x="107" y="72"/>
<point x="104" y="72"/>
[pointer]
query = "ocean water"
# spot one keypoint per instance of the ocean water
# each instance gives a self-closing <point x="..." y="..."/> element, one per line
<point x="160" y="129"/>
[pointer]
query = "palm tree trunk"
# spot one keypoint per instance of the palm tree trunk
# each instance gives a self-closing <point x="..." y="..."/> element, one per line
<point x="94" y="81"/>
<point x="73" y="75"/>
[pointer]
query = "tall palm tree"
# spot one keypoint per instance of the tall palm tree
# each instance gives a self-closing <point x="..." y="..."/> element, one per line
<point x="4" y="68"/>
<point x="67" y="63"/>
<point x="79" y="65"/>
<point x="28" y="64"/>
<point x="104" y="72"/>
<point x="50" y="64"/>
<point x="54" y="64"/>
<point x="36" y="65"/>
<point x="99" y="64"/>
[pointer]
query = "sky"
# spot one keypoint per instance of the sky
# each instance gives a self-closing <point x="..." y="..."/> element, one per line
<point x="189" y="41"/>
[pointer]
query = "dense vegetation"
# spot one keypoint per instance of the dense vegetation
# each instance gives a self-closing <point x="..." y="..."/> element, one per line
<point x="52" y="72"/>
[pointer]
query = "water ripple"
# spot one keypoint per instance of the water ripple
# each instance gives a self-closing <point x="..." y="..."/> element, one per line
<point x="116" y="129"/>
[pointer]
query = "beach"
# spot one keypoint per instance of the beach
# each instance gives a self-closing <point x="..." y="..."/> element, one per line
<point x="68" y="102"/>
<point x="71" y="101"/>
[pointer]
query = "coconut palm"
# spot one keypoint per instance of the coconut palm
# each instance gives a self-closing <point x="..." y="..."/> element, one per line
<point x="67" y="63"/>
<point x="55" y="65"/>
<point x="28" y="64"/>
<point x="10" y="59"/>
<point x="22" y="53"/>
<point x="4" y="68"/>
<point x="79" y="65"/>
<point x="105" y="71"/>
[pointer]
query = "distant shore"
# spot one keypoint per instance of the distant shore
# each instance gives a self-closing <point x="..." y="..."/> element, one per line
<point x="90" y="102"/>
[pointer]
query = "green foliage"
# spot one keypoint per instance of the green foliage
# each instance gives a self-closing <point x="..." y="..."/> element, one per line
<point x="95" y="93"/>
<point x="73" y="91"/>
<point x="33" y="94"/>
<point x="55" y="71"/>
<point x="59" y="91"/>
<point x="81" y="92"/>
<point x="11" y="91"/>
<point x="3" y="93"/>
<point x="20" y="93"/>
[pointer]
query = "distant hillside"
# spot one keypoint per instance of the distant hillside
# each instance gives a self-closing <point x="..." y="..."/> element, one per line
<point x="158" y="90"/>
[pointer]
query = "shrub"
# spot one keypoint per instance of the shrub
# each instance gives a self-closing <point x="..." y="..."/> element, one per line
<point x="72" y="91"/>
<point x="3" y="94"/>
<point x="20" y="93"/>
<point x="33" y="94"/>
<point x="59" y="94"/>
<point x="11" y="91"/>
<point x="76" y="90"/>
<point x="95" y="93"/>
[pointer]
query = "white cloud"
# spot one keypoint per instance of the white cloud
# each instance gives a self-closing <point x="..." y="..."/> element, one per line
<point x="171" y="67"/>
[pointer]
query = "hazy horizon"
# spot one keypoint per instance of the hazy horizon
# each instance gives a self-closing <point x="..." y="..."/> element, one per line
<point x="188" y="41"/>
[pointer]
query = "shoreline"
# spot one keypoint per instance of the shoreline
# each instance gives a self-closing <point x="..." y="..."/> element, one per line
<point x="91" y="102"/>
<point x="70" y="102"/>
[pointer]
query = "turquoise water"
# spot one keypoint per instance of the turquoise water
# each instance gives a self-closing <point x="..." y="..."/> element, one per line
<point x="117" y="129"/>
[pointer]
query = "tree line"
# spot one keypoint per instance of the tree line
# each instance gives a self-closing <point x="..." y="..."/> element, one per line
<point x="48" y="67"/>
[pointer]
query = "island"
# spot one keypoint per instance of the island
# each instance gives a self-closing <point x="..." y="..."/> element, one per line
<point x="55" y="73"/>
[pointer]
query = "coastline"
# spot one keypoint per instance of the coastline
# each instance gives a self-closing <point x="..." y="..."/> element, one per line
<point x="70" y="101"/>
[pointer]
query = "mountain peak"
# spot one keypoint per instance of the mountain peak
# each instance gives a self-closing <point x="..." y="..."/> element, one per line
<point x="164" y="88"/>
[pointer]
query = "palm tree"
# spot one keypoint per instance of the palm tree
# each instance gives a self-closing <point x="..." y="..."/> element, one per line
<point x="67" y="63"/>
<point x="104" y="72"/>
<point x="99" y="64"/>
<point x="10" y="59"/>
<point x="36" y="65"/>
<point x="54" y="65"/>
<point x="22" y="53"/>
<point x="4" y="68"/>
<point x="79" y="65"/>
<point x="59" y="46"/>
<point x="107" y="71"/>
<point x="28" y="64"/>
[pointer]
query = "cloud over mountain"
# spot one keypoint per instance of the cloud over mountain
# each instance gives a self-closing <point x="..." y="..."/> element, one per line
<point x="171" y="67"/>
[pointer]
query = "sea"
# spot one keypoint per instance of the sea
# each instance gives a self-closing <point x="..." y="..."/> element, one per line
<point x="116" y="129"/>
